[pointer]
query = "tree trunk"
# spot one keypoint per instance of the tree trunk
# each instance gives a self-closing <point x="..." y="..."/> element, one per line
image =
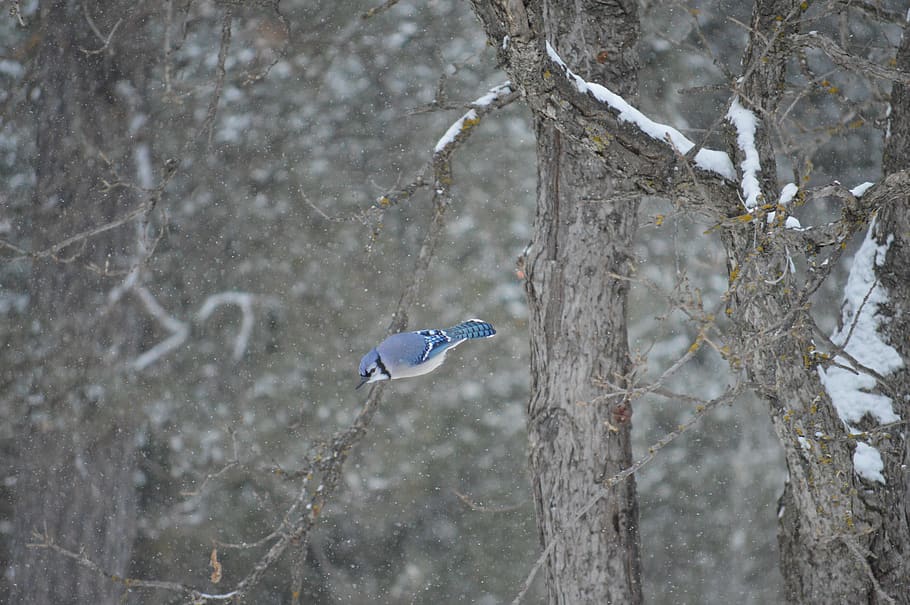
<point x="889" y="545"/>
<point x="583" y="234"/>
<point x="76" y="451"/>
<point x="829" y="515"/>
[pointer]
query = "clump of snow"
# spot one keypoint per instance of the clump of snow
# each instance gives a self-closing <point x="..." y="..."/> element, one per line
<point x="867" y="462"/>
<point x="745" y="123"/>
<point x="851" y="392"/>
<point x="787" y="194"/>
<point x="709" y="160"/>
<point x="859" y="190"/>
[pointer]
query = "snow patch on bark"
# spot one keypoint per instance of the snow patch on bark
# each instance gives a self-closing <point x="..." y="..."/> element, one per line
<point x="745" y="123"/>
<point x="851" y="392"/>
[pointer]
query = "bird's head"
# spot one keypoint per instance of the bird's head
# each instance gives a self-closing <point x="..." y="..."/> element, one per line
<point x="372" y="369"/>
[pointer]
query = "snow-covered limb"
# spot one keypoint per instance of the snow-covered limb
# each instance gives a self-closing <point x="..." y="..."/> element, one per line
<point x="710" y="160"/>
<point x="745" y="123"/>
<point x="496" y="97"/>
<point x="243" y="300"/>
<point x="859" y="190"/>
<point x="470" y="119"/>
<point x="786" y="196"/>
<point x="852" y="390"/>
<point x="180" y="330"/>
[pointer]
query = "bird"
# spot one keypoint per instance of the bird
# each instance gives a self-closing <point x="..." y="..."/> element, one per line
<point x="409" y="354"/>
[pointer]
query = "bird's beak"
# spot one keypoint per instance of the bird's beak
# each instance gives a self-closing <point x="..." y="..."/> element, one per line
<point x="363" y="381"/>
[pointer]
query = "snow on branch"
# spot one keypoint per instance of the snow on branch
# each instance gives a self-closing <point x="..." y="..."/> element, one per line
<point x="243" y="300"/>
<point x="483" y="105"/>
<point x="180" y="330"/>
<point x="745" y="123"/>
<point x="709" y="160"/>
<point x="852" y="389"/>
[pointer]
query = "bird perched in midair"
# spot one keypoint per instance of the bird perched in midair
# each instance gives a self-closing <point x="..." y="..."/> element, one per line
<point x="414" y="353"/>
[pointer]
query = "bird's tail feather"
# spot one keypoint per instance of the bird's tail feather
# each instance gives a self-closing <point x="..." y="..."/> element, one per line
<point x="472" y="328"/>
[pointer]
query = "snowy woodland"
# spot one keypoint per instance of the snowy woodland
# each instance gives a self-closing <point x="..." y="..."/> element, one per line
<point x="688" y="222"/>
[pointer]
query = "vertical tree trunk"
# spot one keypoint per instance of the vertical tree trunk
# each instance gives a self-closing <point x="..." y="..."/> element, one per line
<point x="583" y="234"/>
<point x="818" y="505"/>
<point x="76" y="452"/>
<point x="830" y="517"/>
<point x="889" y="547"/>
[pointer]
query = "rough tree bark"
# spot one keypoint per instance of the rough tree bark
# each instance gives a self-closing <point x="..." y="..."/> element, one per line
<point x="583" y="232"/>
<point x="829" y="516"/>
<point x="889" y="546"/>
<point x="76" y="452"/>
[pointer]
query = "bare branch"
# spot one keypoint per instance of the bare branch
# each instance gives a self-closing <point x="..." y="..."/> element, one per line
<point x="876" y="11"/>
<point x="232" y="463"/>
<point x="15" y="10"/>
<point x="207" y="130"/>
<point x="480" y="508"/>
<point x="141" y="211"/>
<point x="54" y="250"/>
<point x="378" y="9"/>
<point x="44" y="541"/>
<point x="849" y="61"/>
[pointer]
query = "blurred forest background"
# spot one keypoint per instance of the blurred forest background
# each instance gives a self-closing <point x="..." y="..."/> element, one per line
<point x="173" y="371"/>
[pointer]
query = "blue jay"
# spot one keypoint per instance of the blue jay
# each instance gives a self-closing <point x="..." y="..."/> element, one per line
<point x="414" y="353"/>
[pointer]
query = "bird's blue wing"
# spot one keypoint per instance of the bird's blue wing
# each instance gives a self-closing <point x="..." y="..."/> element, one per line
<point x="435" y="342"/>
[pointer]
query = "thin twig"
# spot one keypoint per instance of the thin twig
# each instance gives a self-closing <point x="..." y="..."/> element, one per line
<point x="44" y="541"/>
<point x="378" y="9"/>
<point x="480" y="508"/>
<point x="52" y="251"/>
<point x="207" y="130"/>
<point x="232" y="463"/>
<point x="106" y="41"/>
<point x="168" y="51"/>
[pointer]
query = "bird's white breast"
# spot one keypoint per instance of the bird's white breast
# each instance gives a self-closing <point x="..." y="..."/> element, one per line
<point x="421" y="369"/>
